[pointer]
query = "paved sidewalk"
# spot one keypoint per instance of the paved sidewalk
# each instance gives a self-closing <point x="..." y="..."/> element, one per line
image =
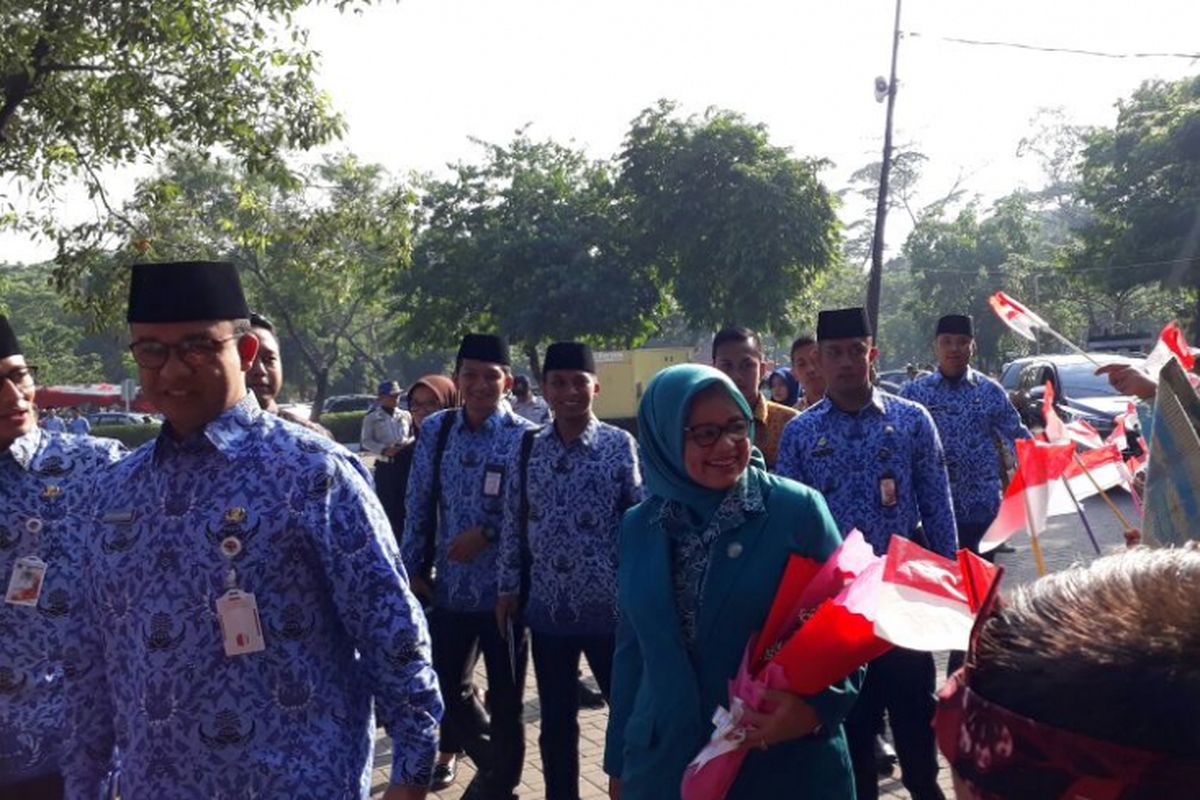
<point x="1062" y="545"/>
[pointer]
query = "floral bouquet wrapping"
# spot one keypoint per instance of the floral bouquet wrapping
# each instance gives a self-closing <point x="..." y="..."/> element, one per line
<point x="827" y="620"/>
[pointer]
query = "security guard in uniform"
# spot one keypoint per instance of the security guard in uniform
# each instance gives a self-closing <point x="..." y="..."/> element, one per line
<point x="879" y="462"/>
<point x="385" y="428"/>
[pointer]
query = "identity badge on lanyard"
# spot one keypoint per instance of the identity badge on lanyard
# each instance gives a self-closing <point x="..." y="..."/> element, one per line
<point x="28" y="575"/>
<point x="237" y="611"/>
<point x="493" y="481"/>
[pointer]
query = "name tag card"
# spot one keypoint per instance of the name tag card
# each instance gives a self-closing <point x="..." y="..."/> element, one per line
<point x="241" y="629"/>
<point x="25" y="583"/>
<point x="493" y="481"/>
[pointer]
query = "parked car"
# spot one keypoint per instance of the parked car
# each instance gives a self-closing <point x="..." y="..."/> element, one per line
<point x="1078" y="392"/>
<point x="120" y="418"/>
<point x="347" y="402"/>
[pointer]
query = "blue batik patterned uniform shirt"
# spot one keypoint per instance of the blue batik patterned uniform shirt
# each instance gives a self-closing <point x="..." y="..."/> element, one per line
<point x="972" y="413"/>
<point x="847" y="457"/>
<point x="462" y="504"/>
<point x="577" y="496"/>
<point x="340" y="625"/>
<point x="43" y="486"/>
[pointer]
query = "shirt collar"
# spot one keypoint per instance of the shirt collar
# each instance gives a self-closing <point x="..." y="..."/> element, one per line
<point x="227" y="434"/>
<point x="586" y="439"/>
<point x="971" y="376"/>
<point x="826" y="405"/>
<point x="494" y="419"/>
<point x="760" y="409"/>
<point x="26" y="447"/>
<point x="744" y="498"/>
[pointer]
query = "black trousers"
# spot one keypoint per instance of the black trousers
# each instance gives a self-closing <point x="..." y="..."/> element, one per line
<point x="389" y="487"/>
<point x="900" y="682"/>
<point x="494" y="737"/>
<point x="47" y="787"/>
<point x="556" y="666"/>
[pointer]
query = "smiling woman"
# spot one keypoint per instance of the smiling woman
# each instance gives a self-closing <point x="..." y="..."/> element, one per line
<point x="699" y="564"/>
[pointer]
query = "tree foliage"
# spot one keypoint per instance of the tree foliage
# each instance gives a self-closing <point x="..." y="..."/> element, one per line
<point x="531" y="243"/>
<point x="737" y="227"/>
<point x="1141" y="181"/>
<point x="318" y="257"/>
<point x="93" y="84"/>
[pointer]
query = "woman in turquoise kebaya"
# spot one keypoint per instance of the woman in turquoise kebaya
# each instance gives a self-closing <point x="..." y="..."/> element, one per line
<point x="700" y="561"/>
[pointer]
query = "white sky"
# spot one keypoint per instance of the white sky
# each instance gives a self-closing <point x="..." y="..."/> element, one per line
<point x="415" y="79"/>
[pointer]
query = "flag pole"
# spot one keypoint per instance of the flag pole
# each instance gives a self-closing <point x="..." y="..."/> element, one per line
<point x="1079" y="350"/>
<point x="1104" y="494"/>
<point x="1033" y="539"/>
<point x="1087" y="526"/>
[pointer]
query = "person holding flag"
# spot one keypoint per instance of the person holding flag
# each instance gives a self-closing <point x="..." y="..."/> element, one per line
<point x="879" y="462"/>
<point x="972" y="412"/>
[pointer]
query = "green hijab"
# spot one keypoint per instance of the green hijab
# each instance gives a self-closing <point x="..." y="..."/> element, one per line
<point x="662" y="416"/>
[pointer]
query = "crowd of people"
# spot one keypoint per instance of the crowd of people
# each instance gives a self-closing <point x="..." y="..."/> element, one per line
<point x="230" y="610"/>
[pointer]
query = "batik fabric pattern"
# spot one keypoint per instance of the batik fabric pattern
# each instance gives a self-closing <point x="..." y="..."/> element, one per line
<point x="577" y="494"/>
<point x="294" y="515"/>
<point x="848" y="456"/>
<point x="43" y="485"/>
<point x="462" y="504"/>
<point x="972" y="414"/>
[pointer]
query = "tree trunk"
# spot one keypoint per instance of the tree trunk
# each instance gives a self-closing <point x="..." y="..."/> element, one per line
<point x="322" y="379"/>
<point x="535" y="367"/>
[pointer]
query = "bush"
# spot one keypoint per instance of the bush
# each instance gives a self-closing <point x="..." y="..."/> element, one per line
<point x="129" y="435"/>
<point x="345" y="426"/>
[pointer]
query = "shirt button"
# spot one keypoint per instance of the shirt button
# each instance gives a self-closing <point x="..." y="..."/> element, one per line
<point x="734" y="550"/>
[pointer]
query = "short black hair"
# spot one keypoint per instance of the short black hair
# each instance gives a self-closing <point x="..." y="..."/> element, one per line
<point x="728" y="335"/>
<point x="258" y="320"/>
<point x="803" y="340"/>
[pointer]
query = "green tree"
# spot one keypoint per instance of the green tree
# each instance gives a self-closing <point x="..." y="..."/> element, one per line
<point x="53" y="337"/>
<point x="737" y="227"/>
<point x="1141" y="182"/>
<point x="318" y="257"/>
<point x="530" y="242"/>
<point x="93" y="84"/>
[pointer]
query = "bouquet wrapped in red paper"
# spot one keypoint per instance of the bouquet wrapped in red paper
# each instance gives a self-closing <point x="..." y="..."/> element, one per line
<point x="827" y="620"/>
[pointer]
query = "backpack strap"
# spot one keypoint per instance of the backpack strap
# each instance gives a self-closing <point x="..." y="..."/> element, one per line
<point x="435" y="491"/>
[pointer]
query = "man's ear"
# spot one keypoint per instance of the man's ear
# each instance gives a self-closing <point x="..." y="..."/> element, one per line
<point x="873" y="355"/>
<point x="247" y="347"/>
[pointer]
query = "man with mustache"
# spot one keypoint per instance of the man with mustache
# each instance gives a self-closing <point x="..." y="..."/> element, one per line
<point x="265" y="377"/>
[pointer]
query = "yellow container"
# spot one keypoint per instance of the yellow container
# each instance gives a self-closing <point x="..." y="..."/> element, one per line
<point x="623" y="375"/>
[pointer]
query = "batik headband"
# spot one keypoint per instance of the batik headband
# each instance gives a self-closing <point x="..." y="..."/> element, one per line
<point x="1004" y="755"/>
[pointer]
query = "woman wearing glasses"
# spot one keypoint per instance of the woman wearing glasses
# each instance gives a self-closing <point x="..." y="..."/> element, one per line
<point x="700" y="562"/>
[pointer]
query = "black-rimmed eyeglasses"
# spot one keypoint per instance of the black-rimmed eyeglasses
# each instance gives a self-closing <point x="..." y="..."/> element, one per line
<point x="707" y="435"/>
<point x="153" y="354"/>
<point x="22" y="377"/>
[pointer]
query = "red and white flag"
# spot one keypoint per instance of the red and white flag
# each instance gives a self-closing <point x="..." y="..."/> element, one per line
<point x="1171" y="344"/>
<point x="1027" y="498"/>
<point x="1079" y="431"/>
<point x="1107" y="469"/>
<point x="929" y="602"/>
<point x="1017" y="317"/>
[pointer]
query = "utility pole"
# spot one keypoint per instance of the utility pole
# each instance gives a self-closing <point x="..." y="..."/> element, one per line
<point x="875" y="281"/>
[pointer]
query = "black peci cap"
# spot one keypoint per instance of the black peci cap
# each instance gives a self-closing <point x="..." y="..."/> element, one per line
<point x="9" y="346"/>
<point x="843" y="323"/>
<point x="186" y="291"/>
<point x="484" y="347"/>
<point x="569" y="355"/>
<point x="959" y="324"/>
